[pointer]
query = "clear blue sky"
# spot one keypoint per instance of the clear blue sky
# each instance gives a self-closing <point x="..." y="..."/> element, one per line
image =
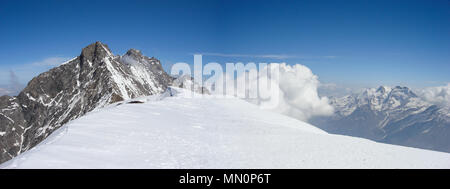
<point x="347" y="42"/>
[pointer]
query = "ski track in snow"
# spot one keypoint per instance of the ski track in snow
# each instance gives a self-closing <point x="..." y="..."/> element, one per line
<point x="208" y="132"/>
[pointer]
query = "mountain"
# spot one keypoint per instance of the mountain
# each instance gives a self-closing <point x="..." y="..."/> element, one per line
<point x="175" y="131"/>
<point x="390" y="115"/>
<point x="187" y="82"/>
<point x="153" y="123"/>
<point x="92" y="80"/>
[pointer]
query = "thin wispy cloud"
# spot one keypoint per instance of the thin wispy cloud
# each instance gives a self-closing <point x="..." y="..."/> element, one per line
<point x="27" y="70"/>
<point x="337" y="90"/>
<point x="4" y="92"/>
<point x="51" y="61"/>
<point x="14" y="86"/>
<point x="14" y="82"/>
<point x="270" y="56"/>
<point x="273" y="56"/>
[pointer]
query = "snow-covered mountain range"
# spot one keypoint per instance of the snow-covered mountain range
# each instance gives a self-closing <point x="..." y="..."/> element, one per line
<point x="124" y="111"/>
<point x="391" y="115"/>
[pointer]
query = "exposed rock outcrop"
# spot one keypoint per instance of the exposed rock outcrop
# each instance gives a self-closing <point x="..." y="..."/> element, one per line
<point x="92" y="80"/>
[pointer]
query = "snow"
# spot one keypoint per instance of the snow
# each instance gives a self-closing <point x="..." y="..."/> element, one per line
<point x="141" y="73"/>
<point x="125" y="84"/>
<point x="66" y="62"/>
<point x="209" y="132"/>
<point x="122" y="82"/>
<point x="394" y="103"/>
<point x="107" y="50"/>
<point x="30" y="97"/>
<point x="9" y="119"/>
<point x="384" y="100"/>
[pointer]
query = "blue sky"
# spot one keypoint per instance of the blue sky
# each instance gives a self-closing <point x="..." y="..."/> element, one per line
<point x="352" y="43"/>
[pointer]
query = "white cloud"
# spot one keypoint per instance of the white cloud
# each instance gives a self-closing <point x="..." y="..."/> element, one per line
<point x="51" y="61"/>
<point x="437" y="95"/>
<point x="14" y="86"/>
<point x="299" y="97"/>
<point x="328" y="86"/>
<point x="293" y="91"/>
<point x="336" y="90"/>
<point x="4" y="92"/>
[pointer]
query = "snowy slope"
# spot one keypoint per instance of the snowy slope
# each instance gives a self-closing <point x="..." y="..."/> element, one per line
<point x="92" y="80"/>
<point x="208" y="132"/>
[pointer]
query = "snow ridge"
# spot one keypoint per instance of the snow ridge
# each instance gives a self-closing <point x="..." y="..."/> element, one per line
<point x="209" y="132"/>
<point x="90" y="81"/>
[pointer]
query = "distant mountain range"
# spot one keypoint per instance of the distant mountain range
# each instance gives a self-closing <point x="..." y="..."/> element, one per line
<point x="390" y="115"/>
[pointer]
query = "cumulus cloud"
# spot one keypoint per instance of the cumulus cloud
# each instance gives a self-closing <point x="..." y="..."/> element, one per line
<point x="437" y="95"/>
<point x="299" y="97"/>
<point x="290" y="90"/>
<point x="51" y="61"/>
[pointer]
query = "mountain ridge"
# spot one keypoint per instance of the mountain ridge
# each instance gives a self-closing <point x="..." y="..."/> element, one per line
<point x="91" y="80"/>
<point x="393" y="115"/>
<point x="182" y="132"/>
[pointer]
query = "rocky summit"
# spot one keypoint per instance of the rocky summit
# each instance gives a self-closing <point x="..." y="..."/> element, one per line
<point x="92" y="80"/>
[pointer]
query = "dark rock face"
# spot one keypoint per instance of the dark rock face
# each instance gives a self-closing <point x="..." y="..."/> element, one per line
<point x="393" y="116"/>
<point x="92" y="80"/>
<point x="12" y="127"/>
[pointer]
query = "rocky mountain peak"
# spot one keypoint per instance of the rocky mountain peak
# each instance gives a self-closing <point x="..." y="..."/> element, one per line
<point x="135" y="57"/>
<point x="383" y="93"/>
<point x="383" y="89"/>
<point x="92" y="80"/>
<point x="403" y="91"/>
<point x="95" y="51"/>
<point x="134" y="52"/>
